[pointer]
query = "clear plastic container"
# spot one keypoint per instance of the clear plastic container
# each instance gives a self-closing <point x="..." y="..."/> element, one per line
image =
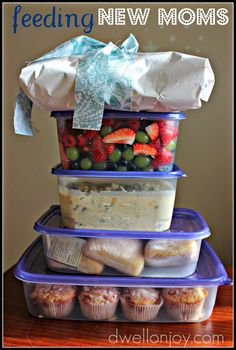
<point x="172" y="253"/>
<point x="127" y="299"/>
<point x="127" y="141"/>
<point x="140" y="201"/>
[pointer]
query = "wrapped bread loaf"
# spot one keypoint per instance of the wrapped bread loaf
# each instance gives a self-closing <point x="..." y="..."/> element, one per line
<point x="162" y="82"/>
<point x="166" y="252"/>
<point x="125" y="255"/>
<point x="86" y="265"/>
<point x="87" y="76"/>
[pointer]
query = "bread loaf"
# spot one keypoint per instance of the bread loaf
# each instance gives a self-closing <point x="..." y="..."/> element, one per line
<point x="86" y="265"/>
<point x="166" y="252"/>
<point x="125" y="255"/>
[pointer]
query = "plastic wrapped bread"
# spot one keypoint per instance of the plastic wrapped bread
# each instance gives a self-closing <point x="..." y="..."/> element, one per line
<point x="161" y="82"/>
<point x="87" y="76"/>
<point x="166" y="252"/>
<point x="86" y="265"/>
<point x="125" y="255"/>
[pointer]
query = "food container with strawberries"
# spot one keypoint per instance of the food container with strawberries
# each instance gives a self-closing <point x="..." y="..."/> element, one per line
<point x="127" y="141"/>
<point x="137" y="200"/>
<point x="172" y="253"/>
<point x="120" y="298"/>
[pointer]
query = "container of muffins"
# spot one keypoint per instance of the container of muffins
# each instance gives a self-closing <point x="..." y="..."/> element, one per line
<point x="119" y="298"/>
<point x="141" y="201"/>
<point x="173" y="253"/>
<point x="126" y="142"/>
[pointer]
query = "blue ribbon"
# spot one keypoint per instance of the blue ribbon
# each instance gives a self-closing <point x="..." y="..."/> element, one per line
<point x="102" y="77"/>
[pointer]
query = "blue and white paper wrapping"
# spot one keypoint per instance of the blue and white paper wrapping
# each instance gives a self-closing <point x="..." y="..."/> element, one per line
<point x="86" y="75"/>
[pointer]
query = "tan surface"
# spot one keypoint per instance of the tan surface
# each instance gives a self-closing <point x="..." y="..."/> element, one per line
<point x="203" y="151"/>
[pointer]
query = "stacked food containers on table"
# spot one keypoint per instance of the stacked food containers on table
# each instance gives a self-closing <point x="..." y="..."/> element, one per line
<point x="116" y="249"/>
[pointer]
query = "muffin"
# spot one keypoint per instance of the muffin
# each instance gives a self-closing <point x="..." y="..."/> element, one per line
<point x="141" y="304"/>
<point x="54" y="300"/>
<point x="184" y="304"/>
<point x="166" y="252"/>
<point x="98" y="303"/>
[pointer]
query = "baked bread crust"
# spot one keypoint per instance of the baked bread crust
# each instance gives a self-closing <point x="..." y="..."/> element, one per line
<point x="125" y="255"/>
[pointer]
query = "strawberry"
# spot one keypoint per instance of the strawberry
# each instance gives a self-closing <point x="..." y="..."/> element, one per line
<point x="86" y="149"/>
<point x="166" y="136"/>
<point x="65" y="162"/>
<point x="98" y="153"/>
<point x="118" y="124"/>
<point x="133" y="124"/>
<point x="156" y="144"/>
<point x="152" y="131"/>
<point x="90" y="134"/>
<point x="168" y="125"/>
<point x="163" y="157"/>
<point x="175" y="131"/>
<point x="163" y="124"/>
<point x="109" y="147"/>
<point x="82" y="140"/>
<point x="124" y="136"/>
<point x="69" y="141"/>
<point x="143" y="149"/>
<point x="107" y="122"/>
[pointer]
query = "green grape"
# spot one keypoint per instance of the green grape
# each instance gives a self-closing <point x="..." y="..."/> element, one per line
<point x="86" y="164"/>
<point x="142" y="137"/>
<point x="100" y="165"/>
<point x="128" y="154"/>
<point x="115" y="155"/>
<point x="105" y="130"/>
<point x="72" y="153"/>
<point x="142" y="161"/>
<point x="171" y="145"/>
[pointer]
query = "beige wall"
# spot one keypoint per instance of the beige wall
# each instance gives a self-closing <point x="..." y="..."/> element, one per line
<point x="204" y="147"/>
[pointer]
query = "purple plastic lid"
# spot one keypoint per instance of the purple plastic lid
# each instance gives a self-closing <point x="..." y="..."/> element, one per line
<point x="186" y="224"/>
<point x="127" y="115"/>
<point x="32" y="268"/>
<point x="176" y="172"/>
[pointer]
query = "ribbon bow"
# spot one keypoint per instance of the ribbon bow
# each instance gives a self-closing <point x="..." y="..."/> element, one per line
<point x="102" y="77"/>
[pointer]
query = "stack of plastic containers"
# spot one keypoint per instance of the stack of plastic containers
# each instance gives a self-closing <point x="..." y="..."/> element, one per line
<point x="116" y="249"/>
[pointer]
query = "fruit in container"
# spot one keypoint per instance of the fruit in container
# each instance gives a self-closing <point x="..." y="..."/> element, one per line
<point x="105" y="130"/>
<point x="120" y="145"/>
<point x="69" y="140"/>
<point x="133" y="124"/>
<point x="142" y="137"/>
<point x="72" y="153"/>
<point x="85" y="164"/>
<point x="82" y="140"/>
<point x="171" y="145"/>
<point x="123" y="135"/>
<point x="115" y="155"/>
<point x="128" y="154"/>
<point x="163" y="157"/>
<point x="152" y="131"/>
<point x="100" y="165"/>
<point x="142" y="161"/>
<point x="143" y="149"/>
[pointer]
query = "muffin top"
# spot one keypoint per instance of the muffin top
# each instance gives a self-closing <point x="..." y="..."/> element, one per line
<point x="99" y="295"/>
<point x="53" y="292"/>
<point x="185" y="295"/>
<point x="167" y="247"/>
<point x="142" y="296"/>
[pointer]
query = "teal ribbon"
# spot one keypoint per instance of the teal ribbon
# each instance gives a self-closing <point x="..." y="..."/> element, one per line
<point x="103" y="76"/>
